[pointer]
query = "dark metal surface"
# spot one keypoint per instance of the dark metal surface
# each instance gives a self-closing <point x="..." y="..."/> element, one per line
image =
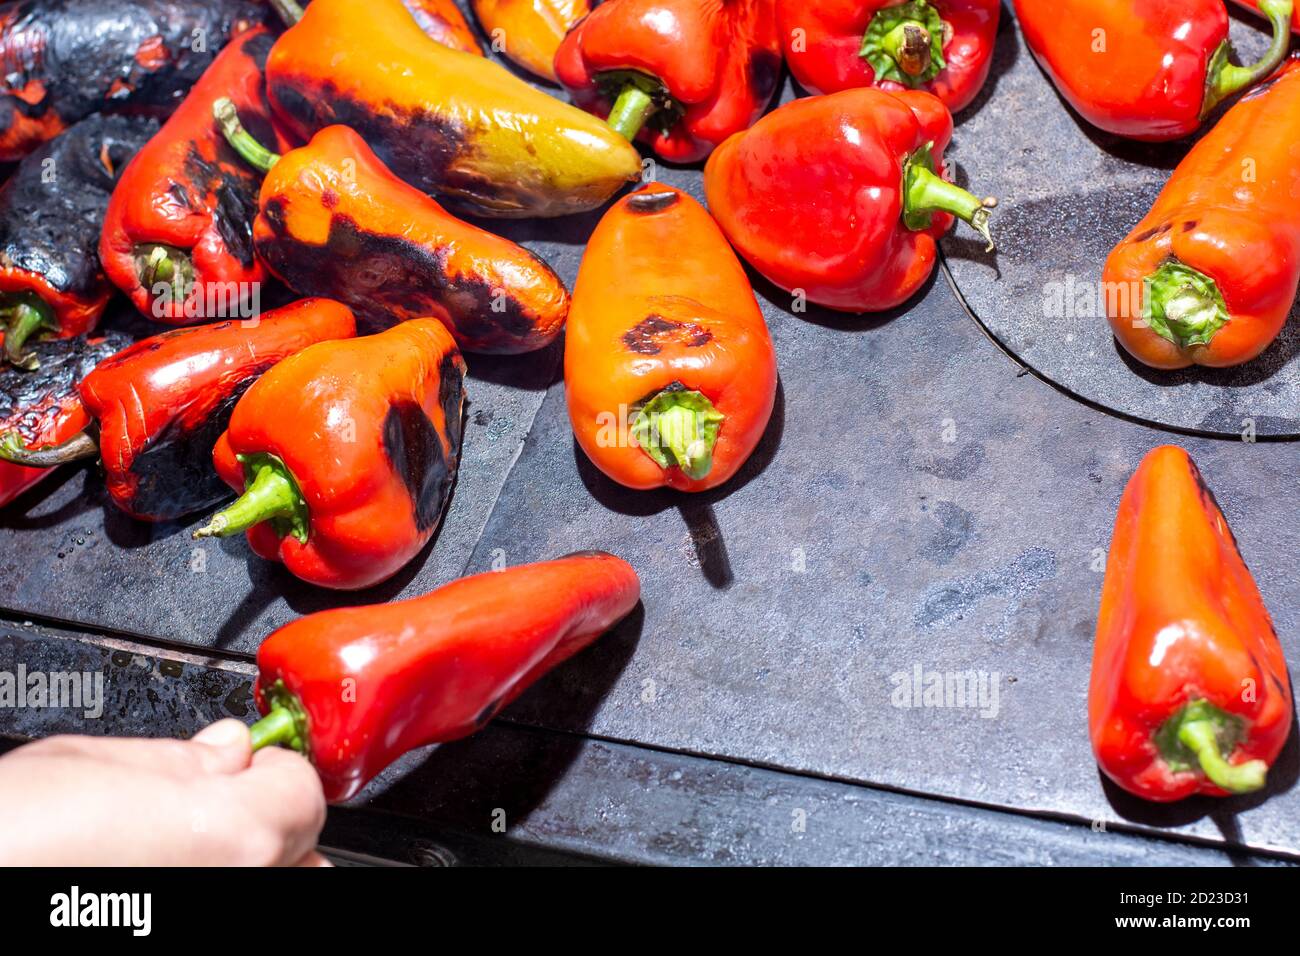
<point x="514" y="795"/>
<point x="919" y="501"/>
<point x="1068" y="194"/>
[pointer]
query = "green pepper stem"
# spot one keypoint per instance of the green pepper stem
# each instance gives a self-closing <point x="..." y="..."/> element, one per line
<point x="26" y="316"/>
<point x="1201" y="737"/>
<point x="240" y="139"/>
<point x="909" y="46"/>
<point x="288" y="10"/>
<point x="271" y="494"/>
<point x="631" y="110"/>
<point x="165" y="264"/>
<point x="926" y="192"/>
<point x="76" y="448"/>
<point x="277" y="727"/>
<point x="679" y="427"/>
<point x="1182" y="305"/>
<point x="1224" y="78"/>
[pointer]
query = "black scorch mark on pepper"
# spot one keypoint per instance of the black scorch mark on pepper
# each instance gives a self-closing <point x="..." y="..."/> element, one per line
<point x="651" y="334"/>
<point x="387" y="279"/>
<point x="416" y="452"/>
<point x="52" y="207"/>
<point x="648" y="201"/>
<point x="29" y="399"/>
<point x="1153" y="232"/>
<point x="102" y="55"/>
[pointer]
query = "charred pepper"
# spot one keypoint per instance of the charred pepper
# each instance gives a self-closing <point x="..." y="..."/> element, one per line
<point x="669" y="370"/>
<point x="51" y="211"/>
<point x="944" y="47"/>
<point x="345" y="455"/>
<point x="458" y="126"/>
<point x="1189" y="691"/>
<point x="159" y="406"/>
<point x="430" y="669"/>
<point x="529" y="31"/>
<point x="335" y="222"/>
<point x="1141" y="69"/>
<point x="842" y="197"/>
<point x="44" y="407"/>
<point x="64" y="60"/>
<point x="178" y="234"/>
<point x="1209" y="276"/>
<point x="681" y="75"/>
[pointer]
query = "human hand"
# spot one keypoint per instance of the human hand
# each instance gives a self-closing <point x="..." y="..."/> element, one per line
<point x="209" y="801"/>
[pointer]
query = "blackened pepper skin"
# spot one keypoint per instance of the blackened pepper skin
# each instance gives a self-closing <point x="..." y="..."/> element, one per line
<point x="44" y="406"/>
<point x="66" y="59"/>
<point x="51" y="212"/>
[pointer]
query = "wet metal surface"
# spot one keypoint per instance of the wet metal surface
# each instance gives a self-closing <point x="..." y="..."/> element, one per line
<point x="1068" y="194"/>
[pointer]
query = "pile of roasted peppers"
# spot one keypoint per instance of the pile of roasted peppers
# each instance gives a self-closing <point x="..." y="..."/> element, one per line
<point x="318" y="159"/>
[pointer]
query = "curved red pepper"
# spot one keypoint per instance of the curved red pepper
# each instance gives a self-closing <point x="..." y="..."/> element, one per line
<point x="44" y="407"/>
<point x="1145" y="69"/>
<point x="944" y="47"/>
<point x="177" y="236"/>
<point x="356" y="688"/>
<point x="161" y="404"/>
<point x="345" y="455"/>
<point x="841" y="197"/>
<point x="1189" y="691"/>
<point x="680" y="75"/>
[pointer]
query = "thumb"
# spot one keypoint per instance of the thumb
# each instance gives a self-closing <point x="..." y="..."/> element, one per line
<point x="224" y="747"/>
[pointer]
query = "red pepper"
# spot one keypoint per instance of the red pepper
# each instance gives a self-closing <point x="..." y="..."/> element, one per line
<point x="681" y="75"/>
<point x="842" y="197"/>
<point x="355" y="688"/>
<point x="944" y="47"/>
<point x="178" y="234"/>
<point x="1145" y="69"/>
<point x="345" y="455"/>
<point x="43" y="407"/>
<point x="161" y="404"/>
<point x="1189" y="692"/>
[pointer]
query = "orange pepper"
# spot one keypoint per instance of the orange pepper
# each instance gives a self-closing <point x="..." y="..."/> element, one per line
<point x="1189" y="689"/>
<point x="529" y="31"/>
<point x="668" y="366"/>
<point x="442" y="20"/>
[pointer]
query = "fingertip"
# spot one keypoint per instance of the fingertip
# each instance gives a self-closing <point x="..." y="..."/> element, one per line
<point x="226" y="746"/>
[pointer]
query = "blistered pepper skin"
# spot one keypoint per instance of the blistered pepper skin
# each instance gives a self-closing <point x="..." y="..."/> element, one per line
<point x="335" y="222"/>
<point x="720" y="61"/>
<point x="44" y="406"/>
<point x="162" y="404"/>
<point x="1181" y="619"/>
<point x="434" y="668"/>
<point x="823" y="40"/>
<point x="661" y="300"/>
<point x="452" y="124"/>
<point x="370" y="430"/>
<point x="530" y="31"/>
<point x="812" y="196"/>
<point x="1243" y="232"/>
<point x="187" y="190"/>
<point x="64" y="60"/>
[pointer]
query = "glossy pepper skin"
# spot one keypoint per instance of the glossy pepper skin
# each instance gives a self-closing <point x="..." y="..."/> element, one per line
<point x="1189" y="691"/>
<point x="442" y="20"/>
<point x="178" y="233"/>
<point x="345" y="455"/>
<point x="44" y="407"/>
<point x="1209" y="275"/>
<point x="666" y="348"/>
<point x="1254" y="5"/>
<point x="1145" y="69"/>
<point x="430" y="669"/>
<point x="680" y="75"/>
<point x="529" y="31"/>
<point x="944" y="47"/>
<point x="458" y="126"/>
<point x="335" y="222"/>
<point x="842" y="197"/>
<point x="160" y="405"/>
<point x="64" y="60"/>
<point x="51" y="211"/>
